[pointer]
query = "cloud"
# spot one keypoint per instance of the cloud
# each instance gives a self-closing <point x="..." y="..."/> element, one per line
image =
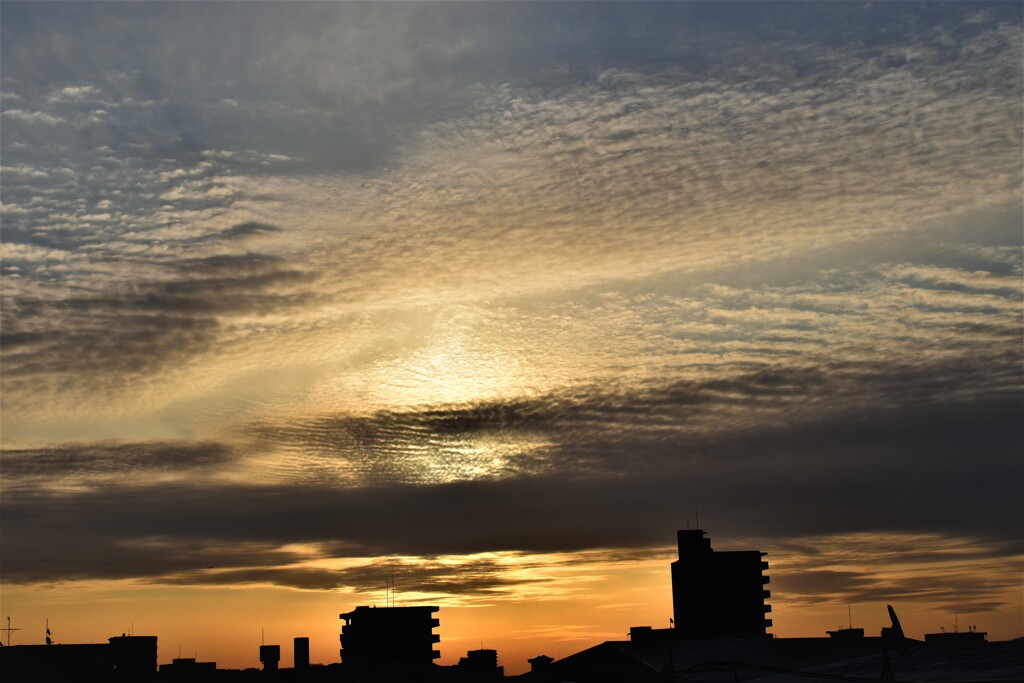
<point x="887" y="473"/>
<point x="886" y="568"/>
<point x="74" y="93"/>
<point x="88" y="464"/>
<point x="452" y="578"/>
<point x="241" y="230"/>
<point x="136" y="332"/>
<point x="23" y="170"/>
<point x="32" y="117"/>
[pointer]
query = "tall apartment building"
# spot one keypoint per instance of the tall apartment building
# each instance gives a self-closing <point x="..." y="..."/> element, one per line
<point x="382" y="643"/>
<point x="718" y="594"/>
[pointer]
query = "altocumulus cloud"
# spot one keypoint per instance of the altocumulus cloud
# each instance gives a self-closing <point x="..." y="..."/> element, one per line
<point x="439" y="295"/>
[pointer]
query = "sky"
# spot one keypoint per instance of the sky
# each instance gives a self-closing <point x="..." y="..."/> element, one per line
<point x="492" y="299"/>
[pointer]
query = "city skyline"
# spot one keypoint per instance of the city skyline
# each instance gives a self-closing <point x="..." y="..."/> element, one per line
<point x="492" y="298"/>
<point x="719" y="604"/>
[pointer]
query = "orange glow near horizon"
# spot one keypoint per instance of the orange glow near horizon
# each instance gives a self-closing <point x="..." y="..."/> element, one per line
<point x="557" y="605"/>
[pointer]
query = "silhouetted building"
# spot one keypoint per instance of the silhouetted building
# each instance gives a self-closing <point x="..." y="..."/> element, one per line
<point x="122" y="658"/>
<point x="718" y="594"/>
<point x="480" y="665"/>
<point x="388" y="642"/>
<point x="641" y="633"/>
<point x="301" y="652"/>
<point x="133" y="656"/>
<point x="187" y="669"/>
<point x="540" y="664"/>
<point x="956" y="638"/>
<point x="846" y="633"/>
<point x="270" y="655"/>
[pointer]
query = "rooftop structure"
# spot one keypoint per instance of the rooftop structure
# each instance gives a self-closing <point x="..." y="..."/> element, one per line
<point x="846" y="633"/>
<point x="956" y="638"/>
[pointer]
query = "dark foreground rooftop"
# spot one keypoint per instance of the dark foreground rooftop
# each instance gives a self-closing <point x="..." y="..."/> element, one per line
<point x="786" y="660"/>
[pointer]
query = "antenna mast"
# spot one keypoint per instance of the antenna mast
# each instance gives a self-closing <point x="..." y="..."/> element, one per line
<point x="389" y="590"/>
<point x="9" y="629"/>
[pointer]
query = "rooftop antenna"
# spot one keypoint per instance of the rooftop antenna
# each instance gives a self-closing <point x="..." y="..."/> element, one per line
<point x="697" y="515"/>
<point x="849" y="614"/>
<point x="9" y="629"/>
<point x="48" y="641"/>
<point x="956" y="623"/>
